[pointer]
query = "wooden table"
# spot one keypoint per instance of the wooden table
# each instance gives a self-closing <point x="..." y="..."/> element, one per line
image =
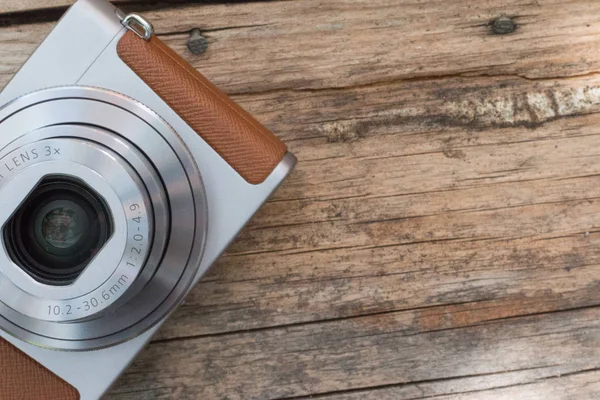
<point x="441" y="235"/>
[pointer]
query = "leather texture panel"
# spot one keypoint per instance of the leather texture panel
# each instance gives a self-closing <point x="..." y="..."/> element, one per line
<point x="22" y="378"/>
<point x="246" y="145"/>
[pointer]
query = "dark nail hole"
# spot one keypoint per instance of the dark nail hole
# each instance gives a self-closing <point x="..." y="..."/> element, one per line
<point x="503" y="26"/>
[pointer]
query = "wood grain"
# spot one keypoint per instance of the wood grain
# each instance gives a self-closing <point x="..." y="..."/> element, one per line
<point x="438" y="239"/>
<point x="391" y="349"/>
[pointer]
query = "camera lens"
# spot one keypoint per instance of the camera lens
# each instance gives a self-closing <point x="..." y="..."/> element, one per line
<point x="58" y="230"/>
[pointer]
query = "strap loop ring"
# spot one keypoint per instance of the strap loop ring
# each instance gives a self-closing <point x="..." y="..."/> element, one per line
<point x="138" y="25"/>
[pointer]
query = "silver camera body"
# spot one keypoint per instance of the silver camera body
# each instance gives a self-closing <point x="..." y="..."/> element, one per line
<point x="76" y="110"/>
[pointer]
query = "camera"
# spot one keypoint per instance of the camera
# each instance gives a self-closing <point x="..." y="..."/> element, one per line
<point x="124" y="175"/>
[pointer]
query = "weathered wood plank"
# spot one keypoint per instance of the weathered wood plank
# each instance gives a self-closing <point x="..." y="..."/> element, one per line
<point x="21" y="6"/>
<point x="341" y="43"/>
<point x="448" y="186"/>
<point x="344" y="43"/>
<point x="511" y="385"/>
<point x="369" y="352"/>
<point x="408" y="201"/>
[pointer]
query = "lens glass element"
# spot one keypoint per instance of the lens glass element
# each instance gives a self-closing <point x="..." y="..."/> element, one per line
<point x="58" y="230"/>
<point x="64" y="225"/>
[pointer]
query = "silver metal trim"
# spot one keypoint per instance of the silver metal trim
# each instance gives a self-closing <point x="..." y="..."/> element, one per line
<point x="69" y="50"/>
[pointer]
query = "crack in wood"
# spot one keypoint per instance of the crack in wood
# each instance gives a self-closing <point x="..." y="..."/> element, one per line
<point x="429" y="381"/>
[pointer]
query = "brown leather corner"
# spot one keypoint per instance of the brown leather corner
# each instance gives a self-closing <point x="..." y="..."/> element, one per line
<point x="22" y="378"/>
<point x="241" y="140"/>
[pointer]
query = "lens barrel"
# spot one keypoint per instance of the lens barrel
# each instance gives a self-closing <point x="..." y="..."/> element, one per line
<point x="104" y="218"/>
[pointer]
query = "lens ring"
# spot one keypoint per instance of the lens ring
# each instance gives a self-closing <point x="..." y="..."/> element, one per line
<point x="81" y="110"/>
<point x="115" y="269"/>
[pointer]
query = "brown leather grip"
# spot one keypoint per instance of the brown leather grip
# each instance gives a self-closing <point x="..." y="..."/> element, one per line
<point x="22" y="378"/>
<point x="246" y="145"/>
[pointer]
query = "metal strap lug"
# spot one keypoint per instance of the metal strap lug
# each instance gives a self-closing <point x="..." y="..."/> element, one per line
<point x="138" y="25"/>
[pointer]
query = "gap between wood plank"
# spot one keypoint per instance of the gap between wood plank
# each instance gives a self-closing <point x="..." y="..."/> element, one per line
<point x="449" y="379"/>
<point x="367" y="315"/>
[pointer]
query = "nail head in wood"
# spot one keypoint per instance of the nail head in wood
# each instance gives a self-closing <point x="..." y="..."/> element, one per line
<point x="197" y="43"/>
<point x="503" y="26"/>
